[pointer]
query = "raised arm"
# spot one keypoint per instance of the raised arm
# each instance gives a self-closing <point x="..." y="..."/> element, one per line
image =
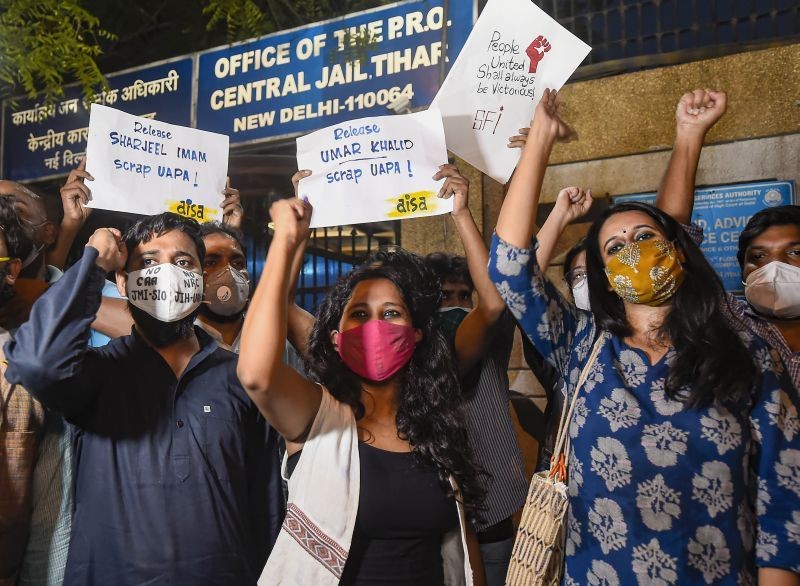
<point x="48" y="356"/>
<point x="696" y="113"/>
<point x="517" y="221"/>
<point x="572" y="203"/>
<point x="474" y="334"/>
<point x="549" y="321"/>
<point x="75" y="195"/>
<point x="300" y="321"/>
<point x="288" y="401"/>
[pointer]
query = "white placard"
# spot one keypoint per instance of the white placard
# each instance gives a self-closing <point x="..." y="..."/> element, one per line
<point x="374" y="169"/>
<point x="514" y="52"/>
<point x="147" y="166"/>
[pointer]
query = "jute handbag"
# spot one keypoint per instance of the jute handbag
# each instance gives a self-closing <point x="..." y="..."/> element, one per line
<point x="538" y="555"/>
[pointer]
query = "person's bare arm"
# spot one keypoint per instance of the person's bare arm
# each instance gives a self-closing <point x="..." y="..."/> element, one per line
<point x="300" y="321"/>
<point x="777" y="577"/>
<point x="287" y="400"/>
<point x="517" y="221"/>
<point x="113" y="318"/>
<point x="473" y="335"/>
<point x="696" y="113"/>
<point x="572" y="203"/>
<point x="475" y="557"/>
<point x="75" y="196"/>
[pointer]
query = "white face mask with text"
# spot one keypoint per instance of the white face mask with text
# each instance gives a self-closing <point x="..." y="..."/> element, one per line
<point x="166" y="291"/>
<point x="774" y="290"/>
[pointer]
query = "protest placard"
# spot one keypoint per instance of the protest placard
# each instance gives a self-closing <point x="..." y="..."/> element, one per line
<point x="374" y="169"/>
<point x="514" y="52"/>
<point x="146" y="166"/>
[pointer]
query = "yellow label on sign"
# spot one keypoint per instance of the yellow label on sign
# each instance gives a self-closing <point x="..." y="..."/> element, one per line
<point x="188" y="209"/>
<point x="413" y="204"/>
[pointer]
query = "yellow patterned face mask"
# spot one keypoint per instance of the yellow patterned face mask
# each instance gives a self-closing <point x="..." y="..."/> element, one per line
<point x="647" y="272"/>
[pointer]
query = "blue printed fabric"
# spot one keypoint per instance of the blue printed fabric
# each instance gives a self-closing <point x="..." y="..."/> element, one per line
<point x="660" y="493"/>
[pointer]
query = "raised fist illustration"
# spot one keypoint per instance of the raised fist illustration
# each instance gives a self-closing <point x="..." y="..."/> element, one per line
<point x="536" y="51"/>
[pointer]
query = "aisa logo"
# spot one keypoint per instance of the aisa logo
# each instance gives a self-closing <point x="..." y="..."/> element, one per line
<point x="773" y="198"/>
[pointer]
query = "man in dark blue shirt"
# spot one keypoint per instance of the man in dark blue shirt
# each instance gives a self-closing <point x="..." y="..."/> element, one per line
<point x="177" y="478"/>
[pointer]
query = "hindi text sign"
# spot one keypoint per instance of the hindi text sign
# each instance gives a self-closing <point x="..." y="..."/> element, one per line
<point x="374" y="169"/>
<point x="146" y="166"/>
<point x="49" y="140"/>
<point x="512" y="55"/>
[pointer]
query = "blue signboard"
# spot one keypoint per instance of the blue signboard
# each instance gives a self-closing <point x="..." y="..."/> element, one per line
<point x="296" y="81"/>
<point x="41" y="141"/>
<point x="723" y="212"/>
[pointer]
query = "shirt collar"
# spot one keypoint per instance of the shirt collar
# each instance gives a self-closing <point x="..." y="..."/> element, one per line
<point x="207" y="346"/>
<point x="216" y="335"/>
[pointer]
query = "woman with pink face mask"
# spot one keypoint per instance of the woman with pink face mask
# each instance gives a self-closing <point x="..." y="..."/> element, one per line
<point x="381" y="478"/>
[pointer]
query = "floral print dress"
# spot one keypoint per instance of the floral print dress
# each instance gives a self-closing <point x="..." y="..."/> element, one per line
<point x="660" y="493"/>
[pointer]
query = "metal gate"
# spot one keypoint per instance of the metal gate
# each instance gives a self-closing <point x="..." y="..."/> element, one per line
<point x="331" y="252"/>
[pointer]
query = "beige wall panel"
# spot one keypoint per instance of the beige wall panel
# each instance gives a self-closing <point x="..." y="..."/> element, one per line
<point x="634" y="113"/>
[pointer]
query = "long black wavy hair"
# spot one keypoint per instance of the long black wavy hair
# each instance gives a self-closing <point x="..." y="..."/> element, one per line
<point x="711" y="360"/>
<point x="429" y="413"/>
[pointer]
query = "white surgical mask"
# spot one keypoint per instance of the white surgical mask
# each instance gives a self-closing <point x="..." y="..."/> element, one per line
<point x="166" y="291"/>
<point x="581" y="294"/>
<point x="227" y="291"/>
<point x="774" y="290"/>
<point x="453" y="308"/>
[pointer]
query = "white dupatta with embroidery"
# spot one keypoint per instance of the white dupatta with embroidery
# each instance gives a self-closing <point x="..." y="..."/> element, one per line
<point x="314" y="541"/>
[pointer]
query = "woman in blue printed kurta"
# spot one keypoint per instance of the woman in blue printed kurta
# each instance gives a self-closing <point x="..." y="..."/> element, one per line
<point x="658" y="491"/>
<point x="665" y="487"/>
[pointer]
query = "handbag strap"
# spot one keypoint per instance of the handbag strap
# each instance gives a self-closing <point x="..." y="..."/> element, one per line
<point x="558" y="458"/>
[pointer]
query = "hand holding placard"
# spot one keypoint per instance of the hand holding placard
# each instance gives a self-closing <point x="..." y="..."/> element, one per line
<point x="455" y="186"/>
<point x="76" y="196"/>
<point x="232" y="210"/>
<point x="547" y="122"/>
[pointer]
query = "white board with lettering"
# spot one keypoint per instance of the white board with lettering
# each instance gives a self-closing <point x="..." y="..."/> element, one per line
<point x="374" y="169"/>
<point x="514" y="52"/>
<point x="145" y="166"/>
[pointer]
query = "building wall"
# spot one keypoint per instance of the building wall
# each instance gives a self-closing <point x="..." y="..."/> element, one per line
<point x="625" y="126"/>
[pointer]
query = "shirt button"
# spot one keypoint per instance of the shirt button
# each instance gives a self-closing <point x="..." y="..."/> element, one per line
<point x="179" y="423"/>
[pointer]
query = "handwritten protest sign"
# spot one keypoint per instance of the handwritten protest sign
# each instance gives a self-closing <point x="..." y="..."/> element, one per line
<point x="513" y="54"/>
<point x="374" y="169"/>
<point x="147" y="167"/>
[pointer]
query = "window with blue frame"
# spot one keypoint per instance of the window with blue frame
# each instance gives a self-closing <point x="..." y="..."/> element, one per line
<point x="623" y="29"/>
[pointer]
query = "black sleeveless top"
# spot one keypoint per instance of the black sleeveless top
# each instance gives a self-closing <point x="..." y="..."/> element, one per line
<point x="403" y="513"/>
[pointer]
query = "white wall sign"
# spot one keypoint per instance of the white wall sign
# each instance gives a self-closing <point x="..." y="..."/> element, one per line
<point x="147" y="166"/>
<point x="374" y="169"/>
<point x="514" y="52"/>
